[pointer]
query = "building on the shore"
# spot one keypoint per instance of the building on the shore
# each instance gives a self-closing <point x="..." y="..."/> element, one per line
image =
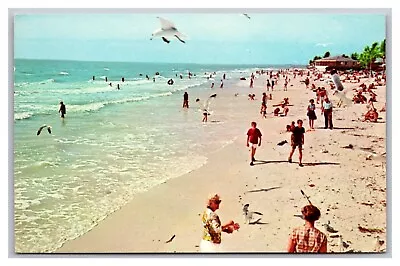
<point x="337" y="62"/>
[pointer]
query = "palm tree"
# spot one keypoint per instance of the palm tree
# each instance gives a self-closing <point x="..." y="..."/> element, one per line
<point x="382" y="49"/>
<point x="369" y="55"/>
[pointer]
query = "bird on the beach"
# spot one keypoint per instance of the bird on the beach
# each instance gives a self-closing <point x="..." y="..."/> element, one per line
<point x="283" y="142"/>
<point x="246" y="15"/>
<point x="249" y="215"/>
<point x="168" y="30"/>
<point x="378" y="244"/>
<point x="41" y="128"/>
<point x="342" y="244"/>
<point x="329" y="228"/>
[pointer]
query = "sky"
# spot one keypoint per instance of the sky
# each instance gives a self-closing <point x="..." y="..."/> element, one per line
<point x="217" y="38"/>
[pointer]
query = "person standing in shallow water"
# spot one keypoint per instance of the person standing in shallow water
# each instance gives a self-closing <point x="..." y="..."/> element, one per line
<point x="185" y="100"/>
<point x="62" y="110"/>
<point x="307" y="238"/>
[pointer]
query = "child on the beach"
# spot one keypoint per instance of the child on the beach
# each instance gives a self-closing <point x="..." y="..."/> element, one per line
<point x="297" y="139"/>
<point x="311" y="114"/>
<point x="307" y="238"/>
<point x="253" y="137"/>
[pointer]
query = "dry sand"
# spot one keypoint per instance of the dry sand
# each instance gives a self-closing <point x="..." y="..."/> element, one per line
<point x="349" y="190"/>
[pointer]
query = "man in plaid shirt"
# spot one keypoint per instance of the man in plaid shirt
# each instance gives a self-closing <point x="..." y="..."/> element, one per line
<point x="307" y="238"/>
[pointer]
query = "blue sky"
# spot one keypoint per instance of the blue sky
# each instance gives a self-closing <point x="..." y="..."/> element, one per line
<point x="225" y="38"/>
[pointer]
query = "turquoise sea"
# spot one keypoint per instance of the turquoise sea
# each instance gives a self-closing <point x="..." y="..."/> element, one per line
<point x="112" y="143"/>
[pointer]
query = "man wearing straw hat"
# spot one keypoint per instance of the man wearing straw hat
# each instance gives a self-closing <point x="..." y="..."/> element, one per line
<point x="211" y="241"/>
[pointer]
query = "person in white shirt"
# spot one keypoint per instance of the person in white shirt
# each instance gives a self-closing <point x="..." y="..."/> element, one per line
<point x="327" y="111"/>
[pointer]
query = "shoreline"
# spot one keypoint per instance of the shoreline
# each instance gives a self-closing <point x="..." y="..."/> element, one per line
<point x="271" y="186"/>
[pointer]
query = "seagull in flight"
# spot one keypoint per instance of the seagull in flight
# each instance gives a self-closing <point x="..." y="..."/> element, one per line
<point x="168" y="30"/>
<point x="246" y="15"/>
<point x="41" y="128"/>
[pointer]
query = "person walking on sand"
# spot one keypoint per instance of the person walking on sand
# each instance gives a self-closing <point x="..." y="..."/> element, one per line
<point x="327" y="111"/>
<point x="185" y="100"/>
<point x="263" y="110"/>
<point x="311" y="114"/>
<point x="297" y="139"/>
<point x="307" y="238"/>
<point x="212" y="226"/>
<point x="62" y="110"/>
<point x="253" y="137"/>
<point x="268" y="85"/>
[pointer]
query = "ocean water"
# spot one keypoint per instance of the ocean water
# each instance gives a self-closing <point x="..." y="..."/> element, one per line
<point x="112" y="143"/>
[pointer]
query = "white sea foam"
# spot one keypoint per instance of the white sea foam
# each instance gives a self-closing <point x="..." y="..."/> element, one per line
<point x="23" y="115"/>
<point x="47" y="81"/>
<point x="63" y="73"/>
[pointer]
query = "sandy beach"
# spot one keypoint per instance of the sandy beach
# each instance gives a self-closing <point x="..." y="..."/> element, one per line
<point x="348" y="185"/>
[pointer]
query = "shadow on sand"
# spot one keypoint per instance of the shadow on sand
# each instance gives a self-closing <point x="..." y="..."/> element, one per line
<point x="341" y="128"/>
<point x="265" y="162"/>
<point x="320" y="163"/>
<point x="262" y="190"/>
<point x="257" y="222"/>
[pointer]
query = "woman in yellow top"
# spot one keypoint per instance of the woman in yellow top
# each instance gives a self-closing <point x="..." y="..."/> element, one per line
<point x="211" y="241"/>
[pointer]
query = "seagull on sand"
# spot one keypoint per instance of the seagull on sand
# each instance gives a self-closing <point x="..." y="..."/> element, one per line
<point x="41" y="128"/>
<point x="168" y="30"/>
<point x="379" y="243"/>
<point x="248" y="215"/>
<point x="329" y="228"/>
<point x="342" y="244"/>
<point x="246" y="15"/>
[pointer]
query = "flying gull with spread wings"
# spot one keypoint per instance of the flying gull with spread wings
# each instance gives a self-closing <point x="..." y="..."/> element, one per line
<point x="42" y="127"/>
<point x="168" y="30"/>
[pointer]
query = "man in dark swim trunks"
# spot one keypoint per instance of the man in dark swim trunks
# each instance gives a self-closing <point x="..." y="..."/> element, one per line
<point x="297" y="139"/>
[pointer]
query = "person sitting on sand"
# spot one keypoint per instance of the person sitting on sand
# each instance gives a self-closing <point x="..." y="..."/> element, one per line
<point x="371" y="115"/>
<point x="252" y="96"/>
<point x="359" y="98"/>
<point x="276" y="111"/>
<point x="212" y="227"/>
<point x="285" y="110"/>
<point x="307" y="238"/>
